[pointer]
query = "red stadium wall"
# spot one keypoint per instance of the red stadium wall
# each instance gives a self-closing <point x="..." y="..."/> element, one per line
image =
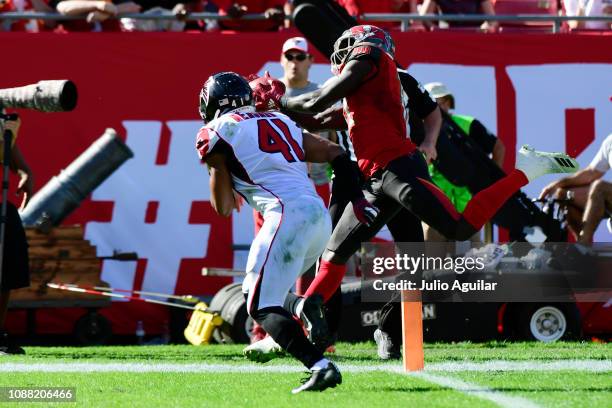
<point x="145" y="85"/>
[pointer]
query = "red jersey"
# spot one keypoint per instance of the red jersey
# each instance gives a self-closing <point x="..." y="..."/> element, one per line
<point x="375" y="113"/>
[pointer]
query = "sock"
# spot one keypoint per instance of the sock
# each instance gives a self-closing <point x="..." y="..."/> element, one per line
<point x="320" y="365"/>
<point x="288" y="334"/>
<point x="483" y="206"/>
<point x="299" y="306"/>
<point x="328" y="279"/>
<point x="293" y="303"/>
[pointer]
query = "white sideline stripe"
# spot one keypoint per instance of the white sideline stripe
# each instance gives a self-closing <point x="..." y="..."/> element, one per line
<point x="501" y="365"/>
<point x="503" y="400"/>
<point x="143" y="367"/>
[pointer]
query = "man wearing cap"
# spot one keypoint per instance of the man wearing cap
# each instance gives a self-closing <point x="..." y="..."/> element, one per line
<point x="475" y="130"/>
<point x="470" y="125"/>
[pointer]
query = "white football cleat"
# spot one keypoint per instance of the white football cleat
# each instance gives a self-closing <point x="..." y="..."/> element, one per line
<point x="535" y="163"/>
<point x="263" y="350"/>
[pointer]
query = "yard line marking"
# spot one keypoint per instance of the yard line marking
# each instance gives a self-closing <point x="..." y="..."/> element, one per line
<point x="455" y="366"/>
<point x="501" y="399"/>
<point x="503" y="365"/>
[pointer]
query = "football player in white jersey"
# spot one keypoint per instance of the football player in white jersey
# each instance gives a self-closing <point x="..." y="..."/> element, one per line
<point x="262" y="156"/>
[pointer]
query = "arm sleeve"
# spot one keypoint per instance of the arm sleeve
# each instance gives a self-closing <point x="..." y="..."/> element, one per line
<point x="603" y="159"/>
<point x="485" y="139"/>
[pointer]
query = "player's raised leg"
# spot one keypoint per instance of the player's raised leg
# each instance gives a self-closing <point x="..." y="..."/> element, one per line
<point x="407" y="181"/>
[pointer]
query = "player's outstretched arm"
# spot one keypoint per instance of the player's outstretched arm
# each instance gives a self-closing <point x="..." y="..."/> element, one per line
<point x="348" y="81"/>
<point x="222" y="194"/>
<point x="330" y="119"/>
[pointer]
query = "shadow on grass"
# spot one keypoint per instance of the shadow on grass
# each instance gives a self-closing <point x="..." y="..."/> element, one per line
<point x="411" y="389"/>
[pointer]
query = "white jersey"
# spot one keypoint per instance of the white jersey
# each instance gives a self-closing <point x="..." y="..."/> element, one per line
<point x="264" y="155"/>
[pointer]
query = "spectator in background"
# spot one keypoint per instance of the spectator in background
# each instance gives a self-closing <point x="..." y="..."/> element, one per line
<point x="5" y="6"/>
<point x="356" y="8"/>
<point x="44" y="7"/>
<point x="96" y="13"/>
<point x="17" y="25"/>
<point x="588" y="8"/>
<point x="179" y="9"/>
<point x="589" y="196"/>
<point x="288" y="9"/>
<point x="272" y="9"/>
<point x="461" y="7"/>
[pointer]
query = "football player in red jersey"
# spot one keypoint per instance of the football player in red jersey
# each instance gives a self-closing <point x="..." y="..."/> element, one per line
<point x="395" y="171"/>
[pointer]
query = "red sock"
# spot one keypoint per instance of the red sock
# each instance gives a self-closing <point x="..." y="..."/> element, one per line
<point x="328" y="279"/>
<point x="483" y="206"/>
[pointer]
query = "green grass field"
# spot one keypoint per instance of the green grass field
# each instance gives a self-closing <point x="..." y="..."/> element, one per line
<point x="456" y="375"/>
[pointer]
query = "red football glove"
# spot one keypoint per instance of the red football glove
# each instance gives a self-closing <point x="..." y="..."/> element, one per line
<point x="267" y="92"/>
<point x="364" y="211"/>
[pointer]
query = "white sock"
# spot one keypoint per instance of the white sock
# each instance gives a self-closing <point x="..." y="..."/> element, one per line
<point x="319" y="365"/>
<point x="299" y="307"/>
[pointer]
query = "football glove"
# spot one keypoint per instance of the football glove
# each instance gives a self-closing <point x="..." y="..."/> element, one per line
<point x="365" y="212"/>
<point x="267" y="92"/>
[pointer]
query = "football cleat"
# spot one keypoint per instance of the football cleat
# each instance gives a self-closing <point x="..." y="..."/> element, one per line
<point x="7" y="346"/>
<point x="535" y="163"/>
<point x="264" y="350"/>
<point x="320" y="380"/>
<point x="313" y="317"/>
<point x="386" y="349"/>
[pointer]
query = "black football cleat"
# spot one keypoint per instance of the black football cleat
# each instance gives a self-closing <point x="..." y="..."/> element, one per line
<point x="7" y="346"/>
<point x="313" y="317"/>
<point x="386" y="348"/>
<point x="320" y="380"/>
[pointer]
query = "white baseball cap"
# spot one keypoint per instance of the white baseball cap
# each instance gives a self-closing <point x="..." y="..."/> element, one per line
<point x="437" y="90"/>
<point x="296" y="43"/>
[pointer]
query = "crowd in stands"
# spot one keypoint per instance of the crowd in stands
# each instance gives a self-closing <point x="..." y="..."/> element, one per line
<point x="99" y="15"/>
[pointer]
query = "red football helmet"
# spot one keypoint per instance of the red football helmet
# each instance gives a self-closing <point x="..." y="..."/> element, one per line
<point x="360" y="35"/>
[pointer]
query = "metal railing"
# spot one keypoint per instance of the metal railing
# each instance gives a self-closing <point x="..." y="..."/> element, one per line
<point x="405" y="20"/>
